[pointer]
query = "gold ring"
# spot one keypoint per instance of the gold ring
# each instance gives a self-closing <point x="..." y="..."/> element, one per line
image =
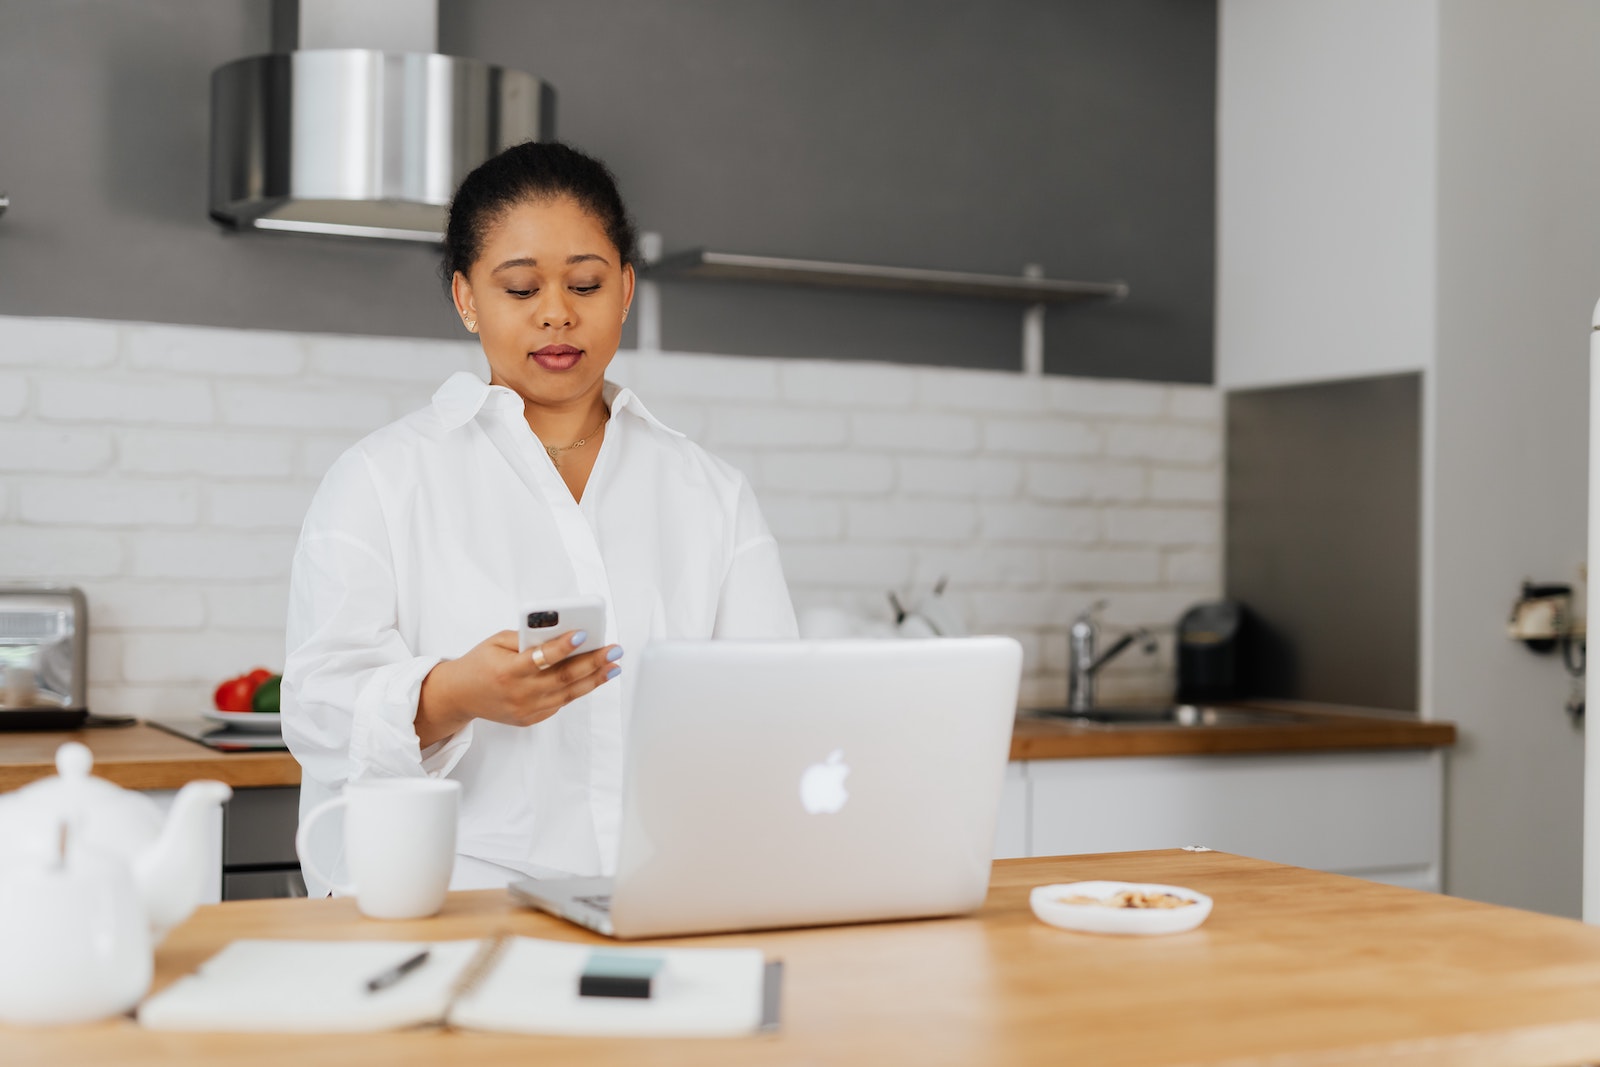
<point x="538" y="658"/>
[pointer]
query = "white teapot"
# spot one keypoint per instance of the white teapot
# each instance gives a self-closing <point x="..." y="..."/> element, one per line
<point x="91" y="879"/>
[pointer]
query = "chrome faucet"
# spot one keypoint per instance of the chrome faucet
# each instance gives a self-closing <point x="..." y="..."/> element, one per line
<point x="1083" y="665"/>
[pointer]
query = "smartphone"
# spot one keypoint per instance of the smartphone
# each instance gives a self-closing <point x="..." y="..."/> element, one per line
<point x="547" y="620"/>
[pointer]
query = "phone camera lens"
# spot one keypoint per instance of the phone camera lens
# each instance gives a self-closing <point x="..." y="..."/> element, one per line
<point x="539" y="619"/>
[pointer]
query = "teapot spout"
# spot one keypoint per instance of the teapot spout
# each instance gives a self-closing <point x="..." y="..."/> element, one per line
<point x="172" y="873"/>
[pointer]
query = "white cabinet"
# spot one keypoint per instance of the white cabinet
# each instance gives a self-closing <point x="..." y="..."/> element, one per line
<point x="1011" y="835"/>
<point x="1373" y="814"/>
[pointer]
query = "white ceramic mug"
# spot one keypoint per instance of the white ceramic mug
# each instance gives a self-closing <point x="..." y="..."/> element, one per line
<point x="400" y="844"/>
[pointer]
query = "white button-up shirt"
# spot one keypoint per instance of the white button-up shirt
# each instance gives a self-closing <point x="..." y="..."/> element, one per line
<point x="432" y="534"/>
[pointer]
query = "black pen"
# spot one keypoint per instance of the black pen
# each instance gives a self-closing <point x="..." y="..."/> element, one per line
<point x="397" y="972"/>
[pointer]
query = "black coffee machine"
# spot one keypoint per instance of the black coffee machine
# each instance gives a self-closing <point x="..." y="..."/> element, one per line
<point x="1210" y="655"/>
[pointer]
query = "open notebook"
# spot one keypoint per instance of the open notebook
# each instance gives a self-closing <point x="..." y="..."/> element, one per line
<point x="508" y="984"/>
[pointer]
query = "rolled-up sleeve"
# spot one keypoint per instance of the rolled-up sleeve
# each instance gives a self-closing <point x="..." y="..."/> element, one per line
<point x="754" y="599"/>
<point x="350" y="681"/>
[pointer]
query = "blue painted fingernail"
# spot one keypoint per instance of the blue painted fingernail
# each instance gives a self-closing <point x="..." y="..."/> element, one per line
<point x="612" y="673"/>
<point x="579" y="638"/>
<point x="614" y="655"/>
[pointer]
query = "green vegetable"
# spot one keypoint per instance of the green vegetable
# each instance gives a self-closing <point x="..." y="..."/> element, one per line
<point x="267" y="695"/>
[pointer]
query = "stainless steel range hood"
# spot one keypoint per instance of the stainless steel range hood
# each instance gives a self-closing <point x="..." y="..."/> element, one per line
<point x="354" y="126"/>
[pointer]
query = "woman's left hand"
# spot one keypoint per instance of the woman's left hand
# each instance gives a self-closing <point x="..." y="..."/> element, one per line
<point x="497" y="681"/>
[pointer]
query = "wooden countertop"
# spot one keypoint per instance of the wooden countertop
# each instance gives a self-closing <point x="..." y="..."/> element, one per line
<point x="1295" y="727"/>
<point x="1293" y="968"/>
<point x="143" y="757"/>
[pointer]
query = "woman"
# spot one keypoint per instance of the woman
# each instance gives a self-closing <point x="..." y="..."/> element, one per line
<point x="427" y="538"/>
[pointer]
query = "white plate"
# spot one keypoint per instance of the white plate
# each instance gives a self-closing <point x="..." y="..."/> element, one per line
<point x="258" y="721"/>
<point x="1046" y="901"/>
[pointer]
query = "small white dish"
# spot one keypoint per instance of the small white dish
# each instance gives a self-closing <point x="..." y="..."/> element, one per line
<point x="255" y="721"/>
<point x="1047" y="904"/>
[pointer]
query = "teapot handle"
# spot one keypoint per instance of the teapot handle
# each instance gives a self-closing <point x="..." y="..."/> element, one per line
<point x="302" y="840"/>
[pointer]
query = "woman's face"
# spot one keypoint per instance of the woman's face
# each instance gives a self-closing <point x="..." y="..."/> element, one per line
<point x="547" y="294"/>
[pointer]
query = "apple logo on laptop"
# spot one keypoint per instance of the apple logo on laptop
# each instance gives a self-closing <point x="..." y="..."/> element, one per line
<point x="822" y="790"/>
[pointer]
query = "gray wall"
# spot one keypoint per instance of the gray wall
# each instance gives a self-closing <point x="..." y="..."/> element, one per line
<point x="1324" y="513"/>
<point x="1519" y="272"/>
<point x="932" y="133"/>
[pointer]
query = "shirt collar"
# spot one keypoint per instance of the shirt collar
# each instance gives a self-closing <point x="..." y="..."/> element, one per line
<point x="464" y="394"/>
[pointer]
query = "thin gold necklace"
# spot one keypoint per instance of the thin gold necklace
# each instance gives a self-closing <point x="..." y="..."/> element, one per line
<point x="556" y="450"/>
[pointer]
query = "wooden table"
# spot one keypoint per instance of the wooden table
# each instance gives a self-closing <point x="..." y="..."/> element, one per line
<point x="1293" y="968"/>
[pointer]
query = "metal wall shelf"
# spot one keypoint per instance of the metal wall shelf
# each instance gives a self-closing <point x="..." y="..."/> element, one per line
<point x="731" y="266"/>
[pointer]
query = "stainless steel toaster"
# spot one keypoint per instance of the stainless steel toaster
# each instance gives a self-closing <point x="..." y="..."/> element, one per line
<point x="44" y="657"/>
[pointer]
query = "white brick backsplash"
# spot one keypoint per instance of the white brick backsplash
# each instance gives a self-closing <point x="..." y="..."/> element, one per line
<point x="1080" y="481"/>
<point x="1084" y="396"/>
<point x="103" y="502"/>
<point x="875" y="566"/>
<point x="828" y="472"/>
<point x="1173" y="443"/>
<point x="911" y="520"/>
<point x="968" y="568"/>
<point x="1019" y="608"/>
<point x="309" y="408"/>
<point x="249" y="607"/>
<point x="1194" y="566"/>
<point x="802" y="518"/>
<point x="59" y="555"/>
<point x="57" y="344"/>
<point x="122" y="605"/>
<point x="13" y="395"/>
<point x="1157" y="609"/>
<point x="211" y="452"/>
<point x="95" y="399"/>
<point x="1185" y="485"/>
<point x="973" y="390"/>
<point x="1195" y="402"/>
<point x="914" y="432"/>
<point x="226" y="353"/>
<point x="959" y="476"/>
<point x="258" y="507"/>
<point x="390" y="359"/>
<point x="1043" y="523"/>
<point x="1031" y="497"/>
<point x="1163" y="526"/>
<point x="1041" y="437"/>
<point x="104" y="657"/>
<point x="211" y="555"/>
<point x="773" y="427"/>
<point x="164" y="700"/>
<point x="847" y="385"/>
<point x="1104" y="566"/>
<point x="51" y="449"/>
<point x="703" y="377"/>
<point x="204" y="657"/>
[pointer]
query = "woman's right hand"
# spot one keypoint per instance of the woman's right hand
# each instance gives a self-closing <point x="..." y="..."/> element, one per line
<point x="496" y="681"/>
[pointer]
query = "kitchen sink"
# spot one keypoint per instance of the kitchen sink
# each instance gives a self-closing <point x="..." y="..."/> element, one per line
<point x="1179" y="715"/>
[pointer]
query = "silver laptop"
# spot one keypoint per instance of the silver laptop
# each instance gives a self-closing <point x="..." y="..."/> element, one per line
<point x="802" y="783"/>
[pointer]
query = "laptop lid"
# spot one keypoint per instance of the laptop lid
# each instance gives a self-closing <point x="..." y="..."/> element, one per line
<point x="796" y="783"/>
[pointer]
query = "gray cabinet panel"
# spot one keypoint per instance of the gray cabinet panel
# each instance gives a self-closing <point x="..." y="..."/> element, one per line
<point x="258" y="827"/>
<point x="263" y="885"/>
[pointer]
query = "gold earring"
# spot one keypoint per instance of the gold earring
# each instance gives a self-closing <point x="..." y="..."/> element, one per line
<point x="471" y="324"/>
<point x="624" y="314"/>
